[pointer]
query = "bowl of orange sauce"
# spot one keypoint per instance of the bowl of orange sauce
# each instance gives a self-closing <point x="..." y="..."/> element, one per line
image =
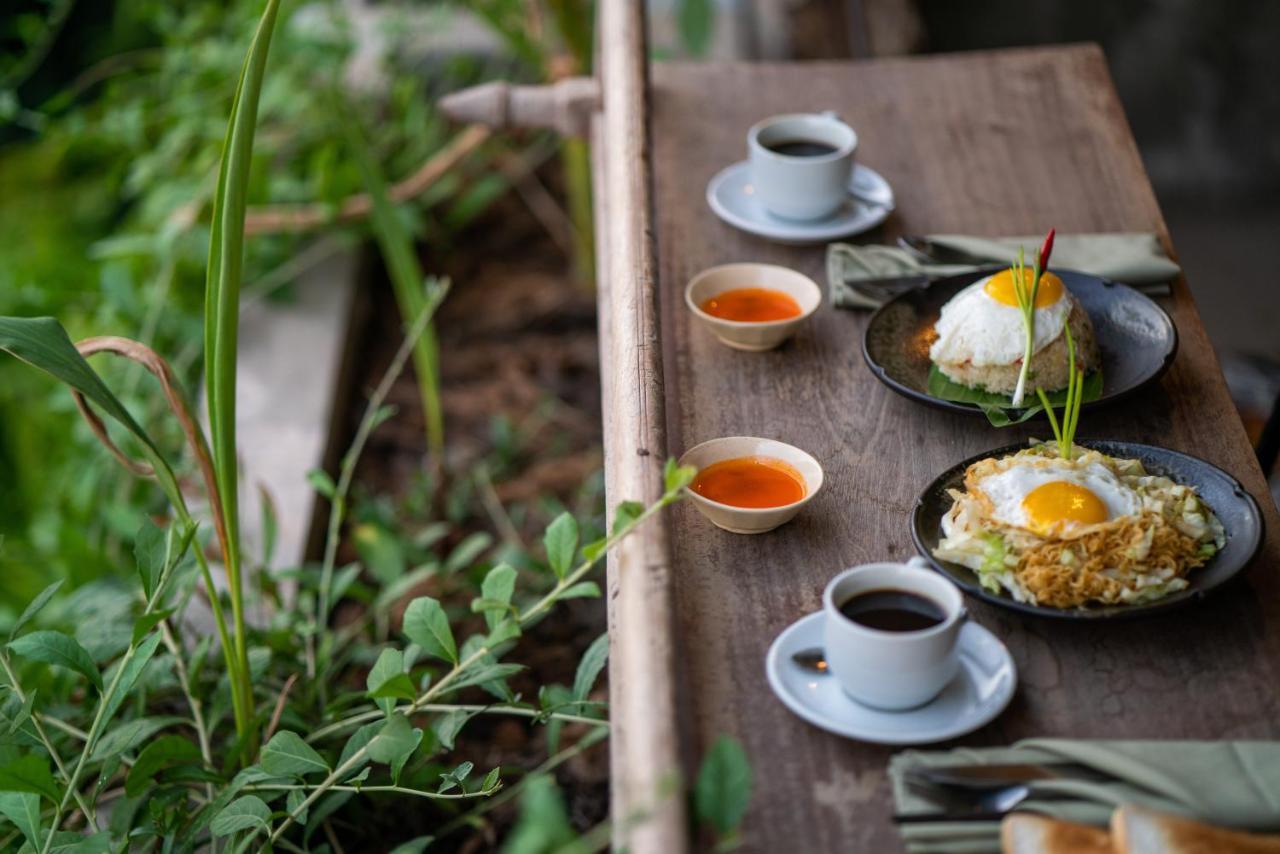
<point x="752" y="306"/>
<point x="748" y="485"/>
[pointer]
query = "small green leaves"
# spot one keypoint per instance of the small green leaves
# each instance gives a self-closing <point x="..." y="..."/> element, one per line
<point x="625" y="515"/>
<point x="723" y="789"/>
<point x="676" y="478"/>
<point x="448" y="725"/>
<point x="387" y="680"/>
<point x="581" y="590"/>
<point x="286" y="755"/>
<point x="398" y="687"/>
<point x="165" y="752"/>
<point x="147" y="622"/>
<point x="60" y="649"/>
<point x="395" y="741"/>
<point x="322" y="483"/>
<point x="426" y="625"/>
<point x="29" y="774"/>
<point x="455" y="778"/>
<point x="498" y="587"/>
<point x="150" y="549"/>
<point x="129" y="735"/>
<point x="34" y="608"/>
<point x="243" y="813"/>
<point x="380" y="551"/>
<point x="589" y="667"/>
<point x="561" y="540"/>
<point x="467" y="551"/>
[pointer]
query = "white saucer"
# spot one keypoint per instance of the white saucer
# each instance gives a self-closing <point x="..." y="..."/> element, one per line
<point x="732" y="197"/>
<point x="980" y="692"/>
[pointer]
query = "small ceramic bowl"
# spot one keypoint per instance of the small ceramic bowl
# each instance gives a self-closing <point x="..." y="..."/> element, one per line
<point x="752" y="520"/>
<point x="746" y="335"/>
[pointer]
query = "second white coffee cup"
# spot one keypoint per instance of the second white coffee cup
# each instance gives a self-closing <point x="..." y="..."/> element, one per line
<point x="892" y="670"/>
<point x="805" y="186"/>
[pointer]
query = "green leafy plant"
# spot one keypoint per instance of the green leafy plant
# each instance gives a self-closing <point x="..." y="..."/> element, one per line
<point x="722" y="792"/>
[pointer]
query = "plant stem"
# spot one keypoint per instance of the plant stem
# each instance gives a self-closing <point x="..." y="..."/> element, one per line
<point x="284" y="787"/>
<point x="515" y="711"/>
<point x="197" y="716"/>
<point x="370" y="420"/>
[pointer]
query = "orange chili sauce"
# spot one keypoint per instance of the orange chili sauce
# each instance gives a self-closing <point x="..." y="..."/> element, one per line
<point x="750" y="482"/>
<point x="752" y="305"/>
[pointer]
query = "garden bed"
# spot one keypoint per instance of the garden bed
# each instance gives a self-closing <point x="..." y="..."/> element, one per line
<point x="521" y="394"/>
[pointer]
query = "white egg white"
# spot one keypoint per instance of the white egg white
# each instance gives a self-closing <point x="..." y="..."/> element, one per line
<point x="1007" y="489"/>
<point x="975" y="327"/>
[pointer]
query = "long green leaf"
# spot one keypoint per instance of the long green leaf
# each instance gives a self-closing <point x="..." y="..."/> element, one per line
<point x="222" y="322"/>
<point x="57" y="648"/>
<point x="42" y="343"/>
<point x="287" y="754"/>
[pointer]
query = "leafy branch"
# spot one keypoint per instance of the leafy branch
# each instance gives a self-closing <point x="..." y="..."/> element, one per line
<point x="426" y="625"/>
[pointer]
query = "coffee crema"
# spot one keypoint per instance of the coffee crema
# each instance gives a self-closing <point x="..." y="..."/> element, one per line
<point x="750" y="482"/>
<point x="801" y="148"/>
<point x="890" y="610"/>
<point x="752" y="305"/>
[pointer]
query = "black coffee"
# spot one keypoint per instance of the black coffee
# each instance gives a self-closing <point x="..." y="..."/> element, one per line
<point x="893" y="610"/>
<point x="801" y="148"/>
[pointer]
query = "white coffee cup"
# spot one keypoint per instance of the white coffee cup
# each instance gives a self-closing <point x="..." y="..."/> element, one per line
<point x="799" y="187"/>
<point x="886" y="669"/>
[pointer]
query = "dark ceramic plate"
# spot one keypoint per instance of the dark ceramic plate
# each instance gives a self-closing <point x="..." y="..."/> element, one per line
<point x="1234" y="506"/>
<point x="1136" y="339"/>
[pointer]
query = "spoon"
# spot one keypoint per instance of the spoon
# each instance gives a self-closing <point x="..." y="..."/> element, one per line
<point x="812" y="660"/>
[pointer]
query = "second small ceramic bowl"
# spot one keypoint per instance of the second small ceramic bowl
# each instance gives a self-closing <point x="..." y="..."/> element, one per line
<point x="746" y="335"/>
<point x="752" y="520"/>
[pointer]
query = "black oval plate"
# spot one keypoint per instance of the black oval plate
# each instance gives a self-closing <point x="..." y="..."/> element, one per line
<point x="1234" y="506"/>
<point x="1136" y="338"/>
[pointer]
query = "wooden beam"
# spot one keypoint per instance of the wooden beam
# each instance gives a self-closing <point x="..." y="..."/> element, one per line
<point x="647" y="789"/>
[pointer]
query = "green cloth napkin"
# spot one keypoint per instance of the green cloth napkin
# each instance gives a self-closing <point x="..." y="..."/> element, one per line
<point x="1135" y="258"/>
<point x="1229" y="783"/>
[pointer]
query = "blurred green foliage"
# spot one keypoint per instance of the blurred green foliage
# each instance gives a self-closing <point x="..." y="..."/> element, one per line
<point x="110" y="149"/>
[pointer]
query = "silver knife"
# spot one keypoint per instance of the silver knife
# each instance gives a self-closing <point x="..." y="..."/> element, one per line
<point x="1001" y="776"/>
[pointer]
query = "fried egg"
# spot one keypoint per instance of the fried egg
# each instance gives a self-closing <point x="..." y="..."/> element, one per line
<point x="982" y="325"/>
<point x="1056" y="498"/>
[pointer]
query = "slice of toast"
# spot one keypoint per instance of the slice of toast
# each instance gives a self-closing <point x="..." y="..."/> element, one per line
<point x="1137" y="830"/>
<point x="1027" y="833"/>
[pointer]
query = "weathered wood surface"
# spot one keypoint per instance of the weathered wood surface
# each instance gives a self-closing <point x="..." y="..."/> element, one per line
<point x="647" y="804"/>
<point x="984" y="143"/>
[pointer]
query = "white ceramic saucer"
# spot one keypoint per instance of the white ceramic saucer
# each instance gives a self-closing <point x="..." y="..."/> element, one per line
<point x="732" y="197"/>
<point x="980" y="692"/>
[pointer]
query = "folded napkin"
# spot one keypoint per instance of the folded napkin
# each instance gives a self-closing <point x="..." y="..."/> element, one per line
<point x="1134" y="258"/>
<point x="1233" y="784"/>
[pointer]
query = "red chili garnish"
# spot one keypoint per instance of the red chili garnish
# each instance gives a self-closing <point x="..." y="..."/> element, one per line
<point x="1047" y="249"/>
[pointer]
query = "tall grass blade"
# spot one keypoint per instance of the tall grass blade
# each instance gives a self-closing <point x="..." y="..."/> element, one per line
<point x="411" y="287"/>
<point x="222" y="319"/>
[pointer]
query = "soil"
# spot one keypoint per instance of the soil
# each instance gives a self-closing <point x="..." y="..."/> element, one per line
<point x="518" y="341"/>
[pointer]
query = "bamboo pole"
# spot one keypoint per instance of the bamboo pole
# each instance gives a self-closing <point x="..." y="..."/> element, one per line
<point x="647" y="791"/>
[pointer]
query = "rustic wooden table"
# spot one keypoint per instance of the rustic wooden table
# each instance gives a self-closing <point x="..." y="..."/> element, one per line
<point x="983" y="143"/>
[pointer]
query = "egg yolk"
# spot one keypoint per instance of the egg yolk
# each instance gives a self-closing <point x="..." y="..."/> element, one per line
<point x="1000" y="288"/>
<point x="1052" y="505"/>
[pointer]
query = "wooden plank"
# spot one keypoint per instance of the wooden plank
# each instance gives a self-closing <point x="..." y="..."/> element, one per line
<point x="647" y="801"/>
<point x="985" y="143"/>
